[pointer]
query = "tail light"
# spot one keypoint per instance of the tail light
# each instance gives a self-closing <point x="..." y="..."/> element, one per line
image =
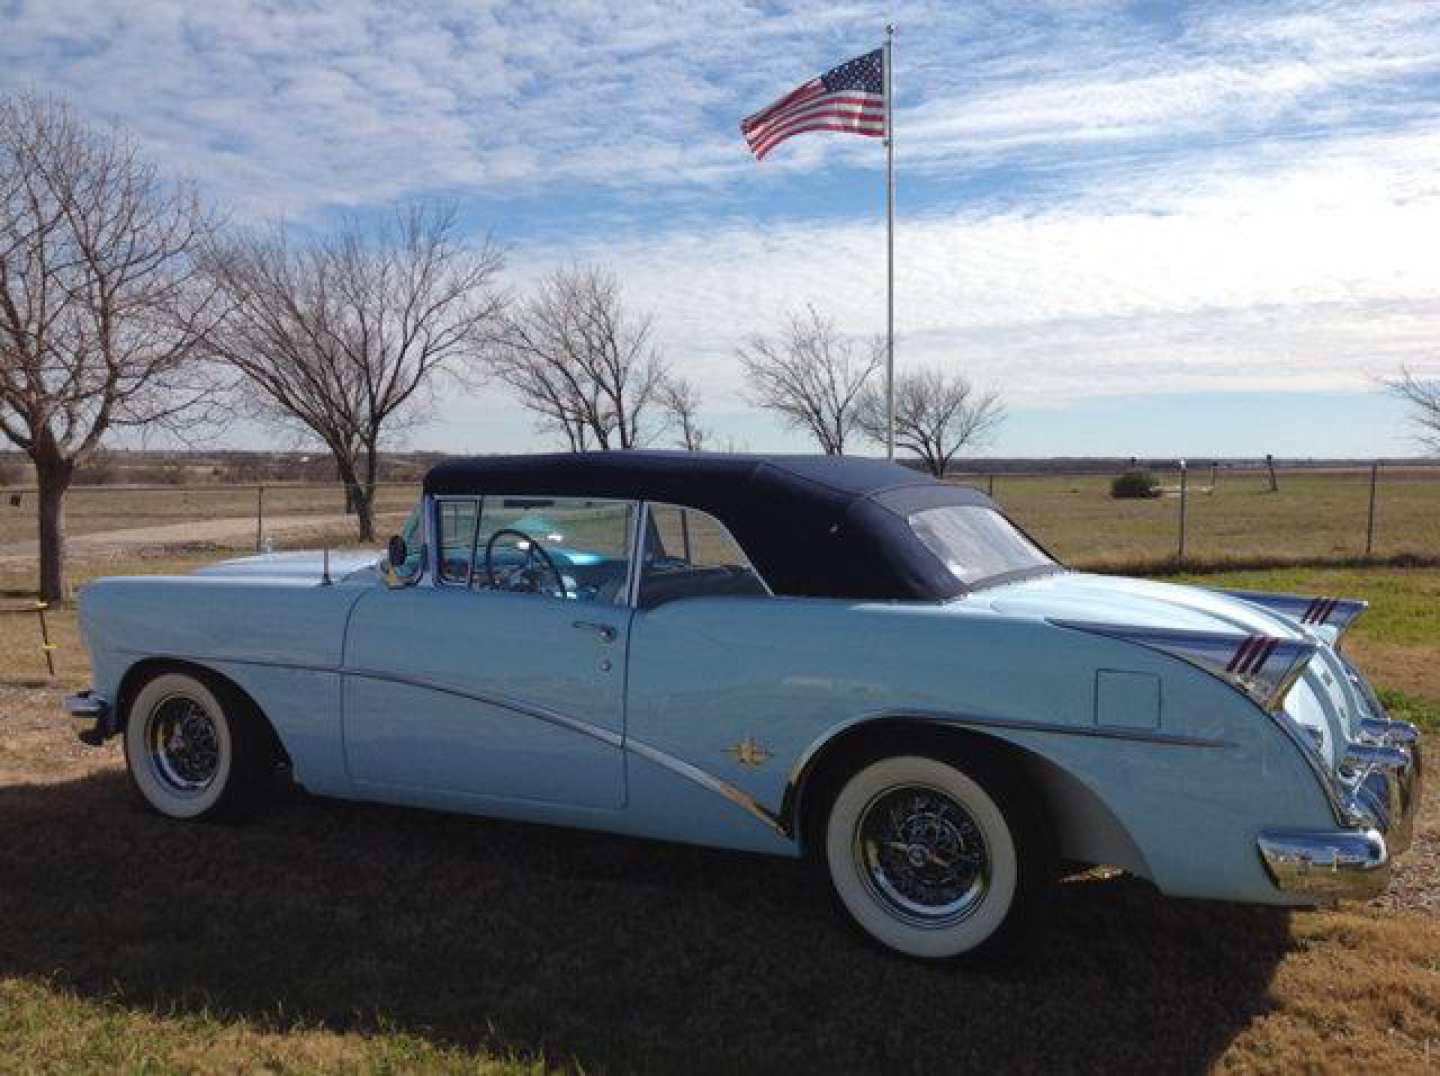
<point x="1262" y="666"/>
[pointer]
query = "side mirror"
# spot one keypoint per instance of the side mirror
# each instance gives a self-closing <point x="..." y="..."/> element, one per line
<point x="396" y="551"/>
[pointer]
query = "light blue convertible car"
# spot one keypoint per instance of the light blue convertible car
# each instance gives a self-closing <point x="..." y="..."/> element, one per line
<point x="822" y="657"/>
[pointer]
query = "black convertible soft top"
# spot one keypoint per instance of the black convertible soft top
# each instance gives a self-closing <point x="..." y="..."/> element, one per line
<point x="817" y="526"/>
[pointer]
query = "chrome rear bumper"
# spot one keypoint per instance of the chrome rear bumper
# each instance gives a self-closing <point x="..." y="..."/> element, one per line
<point x="1355" y="864"/>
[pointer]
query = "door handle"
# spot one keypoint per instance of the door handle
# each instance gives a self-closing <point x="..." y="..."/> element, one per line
<point x="605" y="631"/>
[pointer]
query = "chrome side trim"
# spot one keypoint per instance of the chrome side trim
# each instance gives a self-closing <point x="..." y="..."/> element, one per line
<point x="609" y="737"/>
<point x="789" y="804"/>
<point x="1341" y="865"/>
<point x="678" y="766"/>
<point x="708" y="781"/>
<point x="503" y="702"/>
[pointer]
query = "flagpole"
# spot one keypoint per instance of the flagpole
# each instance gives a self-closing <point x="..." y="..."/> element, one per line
<point x="889" y="249"/>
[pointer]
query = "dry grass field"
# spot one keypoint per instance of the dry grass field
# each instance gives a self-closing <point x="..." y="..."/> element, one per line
<point x="171" y="511"/>
<point x="1314" y="516"/>
<point x="327" y="937"/>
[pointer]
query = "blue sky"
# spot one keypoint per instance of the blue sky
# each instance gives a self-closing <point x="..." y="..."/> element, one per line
<point x="1158" y="228"/>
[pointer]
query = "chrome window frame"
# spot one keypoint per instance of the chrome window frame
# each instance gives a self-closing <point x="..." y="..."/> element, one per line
<point x="435" y="502"/>
<point x="643" y="534"/>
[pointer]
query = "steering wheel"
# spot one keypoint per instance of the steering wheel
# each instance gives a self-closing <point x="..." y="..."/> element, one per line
<point x="537" y="563"/>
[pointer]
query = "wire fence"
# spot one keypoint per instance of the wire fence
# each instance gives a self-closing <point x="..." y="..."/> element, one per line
<point x="1202" y="516"/>
<point x="1214" y="515"/>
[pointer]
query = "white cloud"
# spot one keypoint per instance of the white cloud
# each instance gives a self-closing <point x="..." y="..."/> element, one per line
<point x="1201" y="196"/>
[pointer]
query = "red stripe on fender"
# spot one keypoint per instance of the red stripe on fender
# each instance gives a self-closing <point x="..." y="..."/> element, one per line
<point x="1242" y="653"/>
<point x="1262" y="655"/>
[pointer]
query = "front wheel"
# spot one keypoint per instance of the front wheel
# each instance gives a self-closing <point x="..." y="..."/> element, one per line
<point x="192" y="750"/>
<point x="930" y="860"/>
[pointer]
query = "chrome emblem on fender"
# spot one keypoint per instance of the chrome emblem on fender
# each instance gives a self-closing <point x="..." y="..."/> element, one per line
<point x="748" y="753"/>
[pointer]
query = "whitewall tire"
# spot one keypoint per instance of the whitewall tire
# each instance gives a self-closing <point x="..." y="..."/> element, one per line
<point x="191" y="751"/>
<point x="925" y="858"/>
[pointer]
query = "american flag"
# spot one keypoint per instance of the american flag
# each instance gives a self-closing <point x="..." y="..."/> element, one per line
<point x="848" y="98"/>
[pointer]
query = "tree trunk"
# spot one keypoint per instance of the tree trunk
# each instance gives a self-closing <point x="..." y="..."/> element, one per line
<point x="355" y="494"/>
<point x="365" y="498"/>
<point x="364" y="512"/>
<point x="53" y="477"/>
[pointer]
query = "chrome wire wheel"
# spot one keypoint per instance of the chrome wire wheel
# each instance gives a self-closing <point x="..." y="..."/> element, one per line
<point x="183" y="748"/>
<point x="922" y="853"/>
<point x="922" y="856"/>
<point x="183" y="744"/>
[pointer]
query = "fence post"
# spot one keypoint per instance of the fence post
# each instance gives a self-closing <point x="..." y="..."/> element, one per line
<point x="45" y="643"/>
<point x="259" y="518"/>
<point x="1370" y="519"/>
<point x="1180" y="552"/>
<point x="991" y="494"/>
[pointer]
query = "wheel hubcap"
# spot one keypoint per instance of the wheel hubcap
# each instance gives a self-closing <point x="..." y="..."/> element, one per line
<point x="922" y="855"/>
<point x="184" y="745"/>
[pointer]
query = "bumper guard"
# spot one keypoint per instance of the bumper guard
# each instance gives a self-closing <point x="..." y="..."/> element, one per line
<point x="88" y="706"/>
<point x="1355" y="864"/>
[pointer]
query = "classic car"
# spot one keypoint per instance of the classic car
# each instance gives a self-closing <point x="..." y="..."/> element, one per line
<point x="817" y="657"/>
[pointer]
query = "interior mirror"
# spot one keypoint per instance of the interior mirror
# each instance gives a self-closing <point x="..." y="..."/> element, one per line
<point x="396" y="551"/>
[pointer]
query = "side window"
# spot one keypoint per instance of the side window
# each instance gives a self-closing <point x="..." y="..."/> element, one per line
<point x="456" y="520"/>
<point x="691" y="554"/>
<point x="572" y="548"/>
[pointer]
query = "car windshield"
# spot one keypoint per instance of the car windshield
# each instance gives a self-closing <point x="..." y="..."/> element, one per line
<point x="978" y="545"/>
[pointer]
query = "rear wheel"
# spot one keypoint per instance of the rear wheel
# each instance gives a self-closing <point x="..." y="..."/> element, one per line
<point x="194" y="750"/>
<point x="931" y="859"/>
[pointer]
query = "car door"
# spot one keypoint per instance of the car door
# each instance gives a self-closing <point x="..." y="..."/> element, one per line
<point x="495" y="677"/>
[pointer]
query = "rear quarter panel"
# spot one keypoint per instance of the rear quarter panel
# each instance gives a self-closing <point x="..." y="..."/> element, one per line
<point x="789" y="673"/>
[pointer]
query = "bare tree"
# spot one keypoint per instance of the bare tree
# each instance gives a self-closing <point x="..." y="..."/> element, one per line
<point x="1423" y="396"/>
<point x="582" y="363"/>
<point x="681" y="402"/>
<point x="101" y="311"/>
<point x="343" y="335"/>
<point x="936" y="415"/>
<point x="812" y="376"/>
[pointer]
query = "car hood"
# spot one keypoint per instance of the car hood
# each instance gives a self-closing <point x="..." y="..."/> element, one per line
<point x="294" y="566"/>
<point x="1103" y="599"/>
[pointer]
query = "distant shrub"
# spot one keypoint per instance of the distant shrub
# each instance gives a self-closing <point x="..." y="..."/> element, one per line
<point x="98" y="470"/>
<point x="168" y="473"/>
<point x="1134" y="485"/>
